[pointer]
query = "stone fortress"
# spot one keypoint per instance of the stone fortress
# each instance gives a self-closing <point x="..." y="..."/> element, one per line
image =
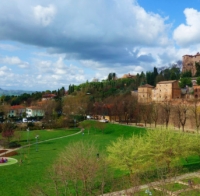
<point x="170" y="90"/>
<point x="189" y="63"/>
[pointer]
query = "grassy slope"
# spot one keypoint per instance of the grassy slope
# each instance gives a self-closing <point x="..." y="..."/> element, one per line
<point x="17" y="179"/>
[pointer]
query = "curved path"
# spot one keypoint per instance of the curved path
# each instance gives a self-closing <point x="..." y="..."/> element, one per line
<point x="15" y="149"/>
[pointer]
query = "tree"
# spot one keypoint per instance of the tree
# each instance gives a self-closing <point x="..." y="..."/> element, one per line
<point x="146" y="111"/>
<point x="7" y="131"/>
<point x="73" y="105"/>
<point x="197" y="65"/>
<point x="156" y="149"/>
<point x="127" y="154"/>
<point x="181" y="111"/>
<point x="166" y="148"/>
<point x="186" y="74"/>
<point x="49" y="110"/>
<point x="80" y="170"/>
<point x="196" y="114"/>
<point x="166" y="111"/>
<point x="155" y="113"/>
<point x="183" y="82"/>
<point x="198" y="80"/>
<point x="112" y="76"/>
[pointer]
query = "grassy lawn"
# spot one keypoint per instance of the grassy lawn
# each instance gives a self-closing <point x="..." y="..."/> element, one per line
<point x="190" y="193"/>
<point x="174" y="187"/>
<point x="153" y="192"/>
<point x="195" y="180"/>
<point x="18" y="178"/>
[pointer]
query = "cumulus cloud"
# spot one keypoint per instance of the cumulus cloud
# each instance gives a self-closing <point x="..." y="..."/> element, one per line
<point x="85" y="30"/>
<point x="14" y="61"/>
<point x="44" y="15"/>
<point x="188" y="34"/>
<point x="74" y="41"/>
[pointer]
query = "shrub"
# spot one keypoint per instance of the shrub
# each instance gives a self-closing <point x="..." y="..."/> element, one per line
<point x="14" y="145"/>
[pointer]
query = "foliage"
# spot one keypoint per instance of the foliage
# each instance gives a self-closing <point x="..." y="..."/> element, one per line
<point x="112" y="76"/>
<point x="7" y="131"/>
<point x="172" y="72"/>
<point x="186" y="74"/>
<point x="32" y="171"/>
<point x="197" y="65"/>
<point x="14" y="144"/>
<point x="151" y="77"/>
<point x="156" y="149"/>
<point x="183" y="82"/>
<point x="181" y="111"/>
<point x="78" y="170"/>
<point x="127" y="154"/>
<point x="198" y="80"/>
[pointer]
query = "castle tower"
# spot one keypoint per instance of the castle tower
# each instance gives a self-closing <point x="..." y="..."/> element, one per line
<point x="189" y="63"/>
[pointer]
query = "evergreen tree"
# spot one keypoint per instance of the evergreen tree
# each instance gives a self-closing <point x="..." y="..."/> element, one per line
<point x="197" y="65"/>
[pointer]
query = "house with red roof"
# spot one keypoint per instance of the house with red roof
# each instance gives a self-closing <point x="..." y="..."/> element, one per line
<point x="34" y="111"/>
<point x="17" y="110"/>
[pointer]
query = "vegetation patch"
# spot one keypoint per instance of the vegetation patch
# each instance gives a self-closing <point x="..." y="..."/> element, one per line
<point x="193" y="192"/>
<point x="174" y="187"/>
<point x="194" y="180"/>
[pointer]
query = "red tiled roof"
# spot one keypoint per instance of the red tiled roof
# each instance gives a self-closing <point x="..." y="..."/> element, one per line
<point x="17" y="107"/>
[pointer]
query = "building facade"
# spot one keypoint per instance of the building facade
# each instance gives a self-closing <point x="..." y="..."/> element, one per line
<point x="34" y="111"/>
<point x="166" y="90"/>
<point x="145" y="93"/>
<point x="189" y="63"/>
<point x="196" y="90"/>
<point x="17" y="110"/>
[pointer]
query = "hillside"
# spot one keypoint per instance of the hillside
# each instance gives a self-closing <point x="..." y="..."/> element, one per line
<point x="13" y="92"/>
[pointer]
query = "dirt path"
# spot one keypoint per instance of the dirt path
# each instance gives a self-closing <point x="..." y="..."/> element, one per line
<point x="177" y="179"/>
<point x="57" y="138"/>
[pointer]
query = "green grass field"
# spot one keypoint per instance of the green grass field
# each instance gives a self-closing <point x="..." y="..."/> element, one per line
<point x="18" y="178"/>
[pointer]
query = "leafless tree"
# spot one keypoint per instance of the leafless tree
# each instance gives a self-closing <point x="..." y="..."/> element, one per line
<point x="166" y="111"/>
<point x="155" y="113"/>
<point x="182" y="110"/>
<point x="146" y="111"/>
<point x="80" y="170"/>
<point x="196" y="113"/>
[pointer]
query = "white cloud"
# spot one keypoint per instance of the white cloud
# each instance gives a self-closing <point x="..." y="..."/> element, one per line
<point x="79" y="40"/>
<point x="188" y="34"/>
<point x="14" y="61"/>
<point x="44" y="15"/>
<point x="8" y="47"/>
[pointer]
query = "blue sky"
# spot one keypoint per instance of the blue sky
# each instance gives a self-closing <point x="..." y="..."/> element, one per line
<point x="45" y="44"/>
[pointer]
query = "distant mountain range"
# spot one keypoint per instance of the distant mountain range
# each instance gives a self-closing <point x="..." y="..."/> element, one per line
<point x="14" y="92"/>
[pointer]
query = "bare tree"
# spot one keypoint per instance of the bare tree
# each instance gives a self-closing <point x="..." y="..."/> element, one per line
<point x="137" y="114"/>
<point x="155" y="113"/>
<point x="75" y="105"/>
<point x="48" y="107"/>
<point x="146" y="113"/>
<point x="166" y="111"/>
<point x="196" y="113"/>
<point x="8" y="131"/>
<point x="181" y="111"/>
<point x="80" y="170"/>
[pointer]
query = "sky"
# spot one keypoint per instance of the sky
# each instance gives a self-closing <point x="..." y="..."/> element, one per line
<point x="46" y="45"/>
